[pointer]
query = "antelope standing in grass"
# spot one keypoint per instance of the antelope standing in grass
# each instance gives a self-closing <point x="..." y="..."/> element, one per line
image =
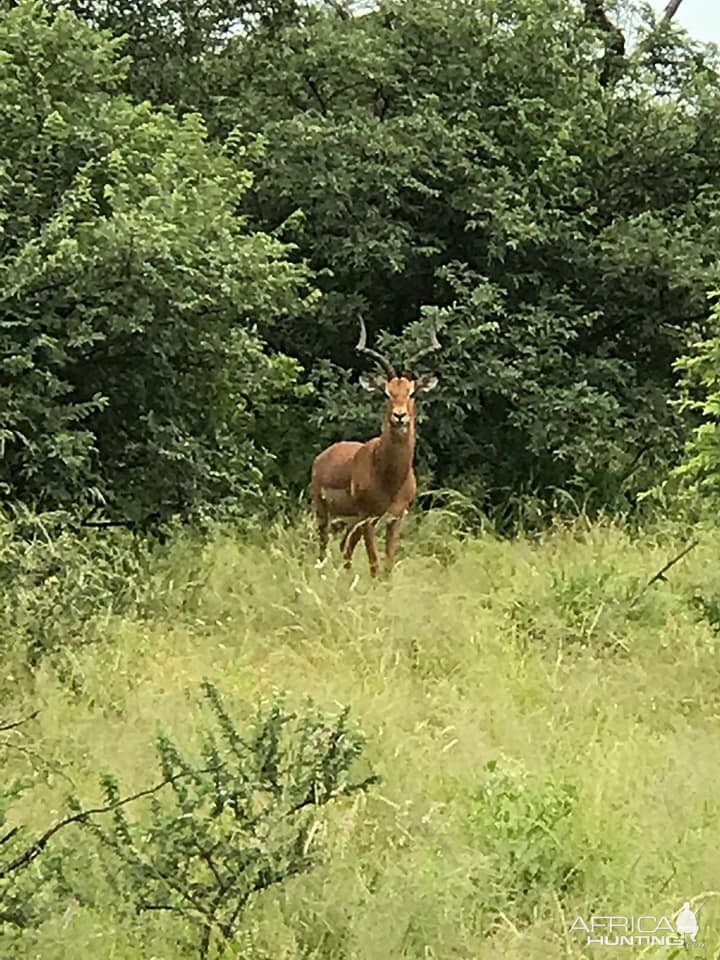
<point x="359" y="483"/>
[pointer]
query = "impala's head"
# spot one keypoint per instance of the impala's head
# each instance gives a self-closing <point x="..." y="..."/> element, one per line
<point x="399" y="390"/>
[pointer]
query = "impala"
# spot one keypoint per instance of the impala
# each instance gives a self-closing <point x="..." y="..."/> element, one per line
<point x="359" y="483"/>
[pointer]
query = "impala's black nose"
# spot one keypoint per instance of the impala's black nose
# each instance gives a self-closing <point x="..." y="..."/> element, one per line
<point x="399" y="419"/>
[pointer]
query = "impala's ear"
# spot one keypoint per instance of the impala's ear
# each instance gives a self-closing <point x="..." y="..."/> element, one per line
<point x="373" y="382"/>
<point x="426" y="383"/>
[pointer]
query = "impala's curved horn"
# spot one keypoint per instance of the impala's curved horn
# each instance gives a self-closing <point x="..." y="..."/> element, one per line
<point x="378" y="357"/>
<point x="434" y="345"/>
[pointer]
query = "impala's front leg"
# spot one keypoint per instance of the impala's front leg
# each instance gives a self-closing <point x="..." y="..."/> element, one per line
<point x="391" y="541"/>
<point x="371" y="546"/>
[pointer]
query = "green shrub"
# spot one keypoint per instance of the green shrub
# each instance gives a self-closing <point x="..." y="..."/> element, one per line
<point x="241" y="818"/>
<point x="59" y="585"/>
<point x="238" y="820"/>
<point x="523" y="833"/>
<point x="698" y="477"/>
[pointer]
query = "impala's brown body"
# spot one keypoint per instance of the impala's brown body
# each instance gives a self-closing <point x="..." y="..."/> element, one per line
<point x="359" y="483"/>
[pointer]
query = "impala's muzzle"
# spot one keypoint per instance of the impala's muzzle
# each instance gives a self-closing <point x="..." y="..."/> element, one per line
<point x="399" y="420"/>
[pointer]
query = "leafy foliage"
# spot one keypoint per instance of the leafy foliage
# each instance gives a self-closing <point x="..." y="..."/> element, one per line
<point x="507" y="170"/>
<point x="173" y="44"/>
<point x="58" y="586"/>
<point x="699" y="474"/>
<point x="129" y="289"/>
<point x="240" y="820"/>
<point x="522" y="833"/>
<point x="16" y="908"/>
<point x="21" y="904"/>
<point x="465" y="163"/>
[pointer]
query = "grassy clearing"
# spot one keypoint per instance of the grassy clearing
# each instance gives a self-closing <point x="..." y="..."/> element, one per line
<point x="602" y="722"/>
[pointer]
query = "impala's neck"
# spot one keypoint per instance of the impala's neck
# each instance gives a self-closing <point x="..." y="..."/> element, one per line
<point x="395" y="453"/>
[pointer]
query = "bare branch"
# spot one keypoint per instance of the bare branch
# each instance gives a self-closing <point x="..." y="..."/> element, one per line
<point x="316" y="93"/>
<point x="614" y="38"/>
<point x="671" y="9"/>
<point x="339" y="9"/>
<point x="104" y="524"/>
<point x="660" y="575"/>
<point x="36" y="848"/>
<point x="13" y="725"/>
<point x="9" y="835"/>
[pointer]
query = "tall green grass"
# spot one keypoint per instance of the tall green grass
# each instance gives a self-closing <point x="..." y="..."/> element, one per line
<point x="548" y="748"/>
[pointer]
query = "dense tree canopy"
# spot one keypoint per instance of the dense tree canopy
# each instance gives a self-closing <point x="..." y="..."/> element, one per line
<point x="172" y="43"/>
<point x="129" y="288"/>
<point x="515" y="172"/>
<point x="467" y="161"/>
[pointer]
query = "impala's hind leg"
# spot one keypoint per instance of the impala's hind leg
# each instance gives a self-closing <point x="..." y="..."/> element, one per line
<point x="344" y="540"/>
<point x="323" y="519"/>
<point x="350" y="541"/>
<point x="371" y="547"/>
